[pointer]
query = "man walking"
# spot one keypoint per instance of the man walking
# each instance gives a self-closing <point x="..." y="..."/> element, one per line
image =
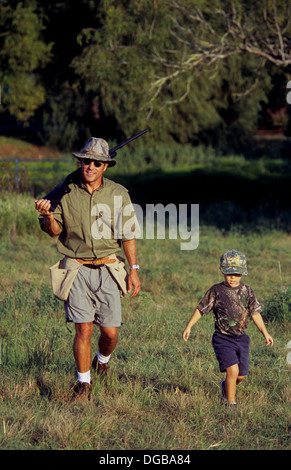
<point x="90" y="224"/>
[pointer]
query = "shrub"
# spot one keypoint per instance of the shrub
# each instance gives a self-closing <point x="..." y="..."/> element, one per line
<point x="277" y="307"/>
<point x="18" y="214"/>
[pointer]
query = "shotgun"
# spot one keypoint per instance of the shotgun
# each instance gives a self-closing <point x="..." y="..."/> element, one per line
<point x="113" y="152"/>
<point x="60" y="190"/>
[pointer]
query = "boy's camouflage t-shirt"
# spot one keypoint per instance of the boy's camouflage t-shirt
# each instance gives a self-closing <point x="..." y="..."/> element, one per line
<point x="232" y="307"/>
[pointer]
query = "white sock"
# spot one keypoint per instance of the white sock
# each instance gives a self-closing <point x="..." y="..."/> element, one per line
<point x="84" y="376"/>
<point x="103" y="359"/>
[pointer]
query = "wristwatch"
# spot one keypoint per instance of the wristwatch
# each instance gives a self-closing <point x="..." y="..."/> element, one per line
<point x="134" y="266"/>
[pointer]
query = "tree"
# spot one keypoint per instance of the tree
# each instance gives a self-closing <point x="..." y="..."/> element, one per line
<point x="215" y="31"/>
<point x="64" y="114"/>
<point x="189" y="70"/>
<point x="23" y="54"/>
<point x="183" y="67"/>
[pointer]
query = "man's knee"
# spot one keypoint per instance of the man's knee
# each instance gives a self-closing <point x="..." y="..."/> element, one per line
<point x="109" y="333"/>
<point x="84" y="330"/>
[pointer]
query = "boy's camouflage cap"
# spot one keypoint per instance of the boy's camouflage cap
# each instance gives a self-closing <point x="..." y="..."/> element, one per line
<point x="96" y="149"/>
<point x="233" y="262"/>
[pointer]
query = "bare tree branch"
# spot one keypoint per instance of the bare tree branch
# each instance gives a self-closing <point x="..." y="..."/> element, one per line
<point x="225" y="32"/>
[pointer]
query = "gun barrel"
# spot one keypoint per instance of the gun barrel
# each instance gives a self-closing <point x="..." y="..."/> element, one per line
<point x="113" y="151"/>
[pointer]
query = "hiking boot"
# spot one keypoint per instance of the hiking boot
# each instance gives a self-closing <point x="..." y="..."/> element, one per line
<point x="81" y="392"/>
<point x="101" y="369"/>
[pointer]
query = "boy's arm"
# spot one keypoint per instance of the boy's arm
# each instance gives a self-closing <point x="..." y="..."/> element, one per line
<point x="194" y="319"/>
<point x="259" y="322"/>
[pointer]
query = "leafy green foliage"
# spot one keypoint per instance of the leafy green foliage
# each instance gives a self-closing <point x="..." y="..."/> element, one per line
<point x="277" y="307"/>
<point x="190" y="72"/>
<point x="177" y="68"/>
<point x="23" y="54"/>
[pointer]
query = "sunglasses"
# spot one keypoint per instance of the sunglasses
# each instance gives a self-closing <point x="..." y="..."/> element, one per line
<point x="87" y="161"/>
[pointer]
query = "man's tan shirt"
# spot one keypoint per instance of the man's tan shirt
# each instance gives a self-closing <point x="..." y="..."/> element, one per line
<point x="93" y="225"/>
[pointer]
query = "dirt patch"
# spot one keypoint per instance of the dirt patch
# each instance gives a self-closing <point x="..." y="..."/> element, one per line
<point x="23" y="150"/>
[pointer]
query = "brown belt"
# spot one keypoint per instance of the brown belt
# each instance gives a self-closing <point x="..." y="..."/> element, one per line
<point x="96" y="262"/>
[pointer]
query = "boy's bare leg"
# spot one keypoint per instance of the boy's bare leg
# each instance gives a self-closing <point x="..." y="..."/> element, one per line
<point x="231" y="381"/>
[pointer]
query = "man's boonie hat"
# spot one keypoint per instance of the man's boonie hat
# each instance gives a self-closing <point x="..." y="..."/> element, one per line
<point x="96" y="149"/>
<point x="233" y="262"/>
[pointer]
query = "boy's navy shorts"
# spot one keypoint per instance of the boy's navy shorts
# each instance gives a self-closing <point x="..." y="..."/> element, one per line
<point x="232" y="350"/>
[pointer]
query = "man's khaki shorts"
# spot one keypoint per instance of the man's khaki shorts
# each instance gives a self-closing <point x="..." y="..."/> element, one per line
<point x="94" y="297"/>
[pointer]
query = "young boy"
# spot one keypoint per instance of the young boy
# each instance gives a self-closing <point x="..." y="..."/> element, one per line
<point x="233" y="304"/>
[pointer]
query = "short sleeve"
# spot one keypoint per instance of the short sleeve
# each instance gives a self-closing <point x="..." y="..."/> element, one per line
<point x="206" y="305"/>
<point x="253" y="304"/>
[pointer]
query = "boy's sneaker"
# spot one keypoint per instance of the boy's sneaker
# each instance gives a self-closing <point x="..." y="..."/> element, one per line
<point x="223" y="397"/>
<point x="222" y="388"/>
<point x="232" y="406"/>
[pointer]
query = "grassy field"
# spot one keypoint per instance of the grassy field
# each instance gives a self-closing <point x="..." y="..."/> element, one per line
<point x="162" y="394"/>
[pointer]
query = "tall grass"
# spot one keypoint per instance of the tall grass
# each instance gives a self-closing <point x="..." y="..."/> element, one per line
<point x="17" y="215"/>
<point x="162" y="394"/>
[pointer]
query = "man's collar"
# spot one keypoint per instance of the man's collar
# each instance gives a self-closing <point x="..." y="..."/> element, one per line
<point x="82" y="184"/>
